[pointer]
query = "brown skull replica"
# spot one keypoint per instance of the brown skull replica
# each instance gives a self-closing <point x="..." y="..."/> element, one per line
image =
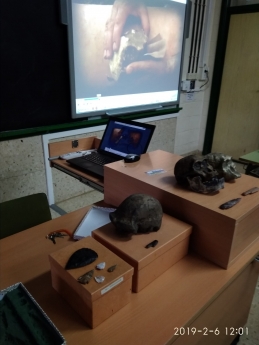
<point x="138" y="213"/>
<point x="224" y="165"/>
<point x="195" y="171"/>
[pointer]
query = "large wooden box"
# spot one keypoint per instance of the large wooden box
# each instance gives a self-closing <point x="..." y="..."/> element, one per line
<point x="94" y="302"/>
<point x="148" y="263"/>
<point x="219" y="235"/>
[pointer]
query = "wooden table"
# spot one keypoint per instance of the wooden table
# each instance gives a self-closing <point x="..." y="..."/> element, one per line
<point x="59" y="148"/>
<point x="193" y="293"/>
<point x="252" y="161"/>
<point x="252" y="157"/>
<point x="88" y="179"/>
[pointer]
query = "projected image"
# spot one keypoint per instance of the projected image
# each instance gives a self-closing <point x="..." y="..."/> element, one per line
<point x="116" y="135"/>
<point x="135" y="138"/>
<point x="126" y="47"/>
<point x="125" y="140"/>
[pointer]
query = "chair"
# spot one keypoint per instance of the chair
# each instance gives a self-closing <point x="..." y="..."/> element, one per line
<point x="23" y="213"/>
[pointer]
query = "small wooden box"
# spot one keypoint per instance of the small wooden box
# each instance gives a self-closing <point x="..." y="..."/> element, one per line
<point x="218" y="235"/>
<point x="148" y="263"/>
<point x="94" y="302"/>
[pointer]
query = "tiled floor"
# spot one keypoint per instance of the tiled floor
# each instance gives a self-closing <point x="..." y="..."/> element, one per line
<point x="253" y="320"/>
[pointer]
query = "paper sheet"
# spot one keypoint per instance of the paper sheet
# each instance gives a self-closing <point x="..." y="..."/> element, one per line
<point x="94" y="219"/>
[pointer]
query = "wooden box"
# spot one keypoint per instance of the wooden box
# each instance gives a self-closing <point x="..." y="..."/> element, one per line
<point x="219" y="235"/>
<point x="148" y="263"/>
<point x="95" y="302"/>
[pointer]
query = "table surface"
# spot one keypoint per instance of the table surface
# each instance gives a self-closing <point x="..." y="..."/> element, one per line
<point x="62" y="147"/>
<point x="82" y="176"/>
<point x="252" y="157"/>
<point x="176" y="298"/>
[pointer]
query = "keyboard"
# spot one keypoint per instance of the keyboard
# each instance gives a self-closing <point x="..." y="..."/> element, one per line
<point x="99" y="159"/>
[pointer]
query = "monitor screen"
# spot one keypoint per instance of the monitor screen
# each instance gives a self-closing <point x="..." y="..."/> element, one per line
<point x="125" y="55"/>
<point x="122" y="137"/>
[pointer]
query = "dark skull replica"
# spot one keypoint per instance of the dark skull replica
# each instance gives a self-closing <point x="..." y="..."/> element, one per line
<point x="138" y="213"/>
<point x="205" y="174"/>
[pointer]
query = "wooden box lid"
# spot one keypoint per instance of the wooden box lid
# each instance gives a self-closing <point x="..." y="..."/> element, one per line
<point x="178" y="199"/>
<point x="93" y="290"/>
<point x="134" y="250"/>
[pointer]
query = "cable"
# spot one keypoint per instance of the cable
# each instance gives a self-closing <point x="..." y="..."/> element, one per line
<point x="199" y="90"/>
<point x="207" y="74"/>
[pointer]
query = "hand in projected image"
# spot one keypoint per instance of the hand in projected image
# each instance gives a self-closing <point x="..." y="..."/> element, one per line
<point x="163" y="54"/>
<point x="120" y="11"/>
<point x="147" y="67"/>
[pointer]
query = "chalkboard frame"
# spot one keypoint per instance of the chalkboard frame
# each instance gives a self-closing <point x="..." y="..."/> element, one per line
<point x="35" y="88"/>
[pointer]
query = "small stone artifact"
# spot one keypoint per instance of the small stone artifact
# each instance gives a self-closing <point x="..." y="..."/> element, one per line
<point x="205" y="174"/>
<point x="85" y="278"/>
<point x="100" y="266"/>
<point x="138" y="213"/>
<point x="251" y="191"/>
<point x="152" y="244"/>
<point x="81" y="258"/>
<point x="112" y="268"/>
<point x="229" y="204"/>
<point x="99" y="279"/>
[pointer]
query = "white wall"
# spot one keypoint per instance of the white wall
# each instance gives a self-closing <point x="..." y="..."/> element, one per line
<point x="191" y="123"/>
